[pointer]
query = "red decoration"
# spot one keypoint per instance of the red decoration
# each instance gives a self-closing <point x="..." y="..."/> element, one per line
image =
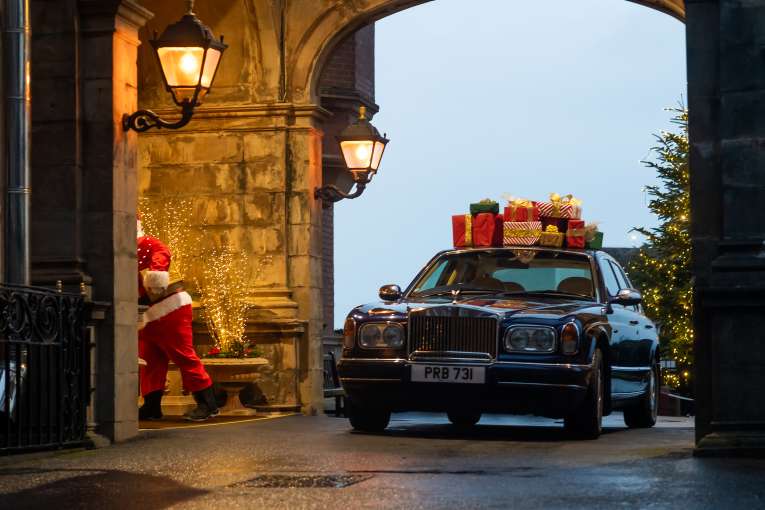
<point x="487" y="229"/>
<point x="521" y="211"/>
<point x="462" y="230"/>
<point x="575" y="234"/>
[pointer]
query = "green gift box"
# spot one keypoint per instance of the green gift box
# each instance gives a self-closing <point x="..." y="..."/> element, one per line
<point x="484" y="206"/>
<point x="596" y="243"/>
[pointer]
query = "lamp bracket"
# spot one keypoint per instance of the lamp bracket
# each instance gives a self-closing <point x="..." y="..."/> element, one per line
<point x="331" y="193"/>
<point x="143" y="120"/>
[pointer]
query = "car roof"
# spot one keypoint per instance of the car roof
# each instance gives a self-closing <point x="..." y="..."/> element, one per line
<point x="591" y="253"/>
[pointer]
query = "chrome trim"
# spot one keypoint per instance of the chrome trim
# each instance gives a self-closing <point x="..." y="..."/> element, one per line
<point x="631" y="369"/>
<point x="374" y="360"/>
<point x="402" y="361"/>
<point x="530" y="326"/>
<point x="544" y="365"/>
<point x="493" y="316"/>
<point x="367" y="379"/>
<point x="454" y="355"/>
<point x="541" y="385"/>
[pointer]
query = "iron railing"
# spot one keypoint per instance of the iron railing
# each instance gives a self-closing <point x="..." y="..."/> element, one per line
<point x="44" y="369"/>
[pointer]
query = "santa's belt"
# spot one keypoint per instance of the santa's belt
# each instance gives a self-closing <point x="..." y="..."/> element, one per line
<point x="167" y="305"/>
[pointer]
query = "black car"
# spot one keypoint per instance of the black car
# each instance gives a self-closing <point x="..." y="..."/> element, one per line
<point x="551" y="332"/>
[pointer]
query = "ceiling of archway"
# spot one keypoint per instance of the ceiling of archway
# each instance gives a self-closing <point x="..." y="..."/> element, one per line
<point x="674" y="8"/>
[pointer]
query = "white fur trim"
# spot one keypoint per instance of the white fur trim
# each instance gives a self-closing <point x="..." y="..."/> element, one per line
<point x="167" y="306"/>
<point x="156" y="279"/>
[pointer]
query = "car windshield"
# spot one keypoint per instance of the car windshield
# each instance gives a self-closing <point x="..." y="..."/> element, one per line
<point x="508" y="272"/>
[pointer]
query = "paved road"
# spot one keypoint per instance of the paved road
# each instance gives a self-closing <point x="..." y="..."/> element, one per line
<point x="420" y="462"/>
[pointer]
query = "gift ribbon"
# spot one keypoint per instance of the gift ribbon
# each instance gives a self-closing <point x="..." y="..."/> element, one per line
<point x="551" y="229"/>
<point x="519" y="203"/>
<point x="468" y="230"/>
<point x="523" y="233"/>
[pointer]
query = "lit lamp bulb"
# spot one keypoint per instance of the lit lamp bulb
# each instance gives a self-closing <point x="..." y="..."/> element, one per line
<point x="362" y="153"/>
<point x="189" y="64"/>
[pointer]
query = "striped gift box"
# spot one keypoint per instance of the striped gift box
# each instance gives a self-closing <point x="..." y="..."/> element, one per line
<point x="522" y="233"/>
<point x="559" y="210"/>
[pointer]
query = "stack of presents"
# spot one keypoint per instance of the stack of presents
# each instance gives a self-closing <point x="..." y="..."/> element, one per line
<point x="556" y="223"/>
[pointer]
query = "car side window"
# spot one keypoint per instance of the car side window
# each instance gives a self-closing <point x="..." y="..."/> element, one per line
<point x="624" y="283"/>
<point x="612" y="285"/>
<point x="620" y="278"/>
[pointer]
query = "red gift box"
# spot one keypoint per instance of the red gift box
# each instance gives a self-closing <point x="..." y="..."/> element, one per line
<point x="487" y="229"/>
<point x="575" y="234"/>
<point x="521" y="210"/>
<point x="462" y="230"/>
<point x="483" y="229"/>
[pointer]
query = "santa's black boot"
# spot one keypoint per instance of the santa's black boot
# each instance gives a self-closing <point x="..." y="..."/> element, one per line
<point x="152" y="406"/>
<point x="206" y="406"/>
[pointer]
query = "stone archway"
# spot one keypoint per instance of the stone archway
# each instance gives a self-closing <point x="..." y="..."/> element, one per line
<point x="263" y="126"/>
<point x="336" y="21"/>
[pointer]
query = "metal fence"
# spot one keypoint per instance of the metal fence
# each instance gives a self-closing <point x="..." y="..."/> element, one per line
<point x="44" y="369"/>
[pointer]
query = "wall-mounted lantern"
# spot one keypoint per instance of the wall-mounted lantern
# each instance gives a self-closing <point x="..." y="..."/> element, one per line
<point x="362" y="148"/>
<point x="189" y="57"/>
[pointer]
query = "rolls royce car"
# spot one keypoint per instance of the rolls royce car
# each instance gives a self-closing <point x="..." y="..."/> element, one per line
<point x="550" y="332"/>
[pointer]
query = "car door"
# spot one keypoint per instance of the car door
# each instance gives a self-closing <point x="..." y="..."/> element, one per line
<point x="620" y="329"/>
<point x="636" y="343"/>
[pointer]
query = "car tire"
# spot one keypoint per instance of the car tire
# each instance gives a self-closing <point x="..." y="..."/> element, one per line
<point x="643" y="414"/>
<point x="587" y="421"/>
<point x="366" y="419"/>
<point x="464" y="419"/>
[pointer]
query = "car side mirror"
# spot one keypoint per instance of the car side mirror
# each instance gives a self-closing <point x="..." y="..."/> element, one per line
<point x="627" y="297"/>
<point x="390" y="293"/>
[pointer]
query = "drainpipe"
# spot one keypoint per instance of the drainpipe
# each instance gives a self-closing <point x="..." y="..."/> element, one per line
<point x="16" y="68"/>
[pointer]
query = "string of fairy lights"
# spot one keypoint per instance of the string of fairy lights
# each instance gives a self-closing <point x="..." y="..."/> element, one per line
<point x="663" y="266"/>
<point x="219" y="275"/>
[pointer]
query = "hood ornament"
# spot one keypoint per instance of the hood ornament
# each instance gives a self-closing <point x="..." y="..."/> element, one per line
<point x="455" y="295"/>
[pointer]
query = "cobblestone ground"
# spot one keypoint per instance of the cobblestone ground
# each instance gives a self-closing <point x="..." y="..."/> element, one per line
<point x="420" y="462"/>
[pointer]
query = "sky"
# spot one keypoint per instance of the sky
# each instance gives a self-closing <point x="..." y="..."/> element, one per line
<point x="507" y="97"/>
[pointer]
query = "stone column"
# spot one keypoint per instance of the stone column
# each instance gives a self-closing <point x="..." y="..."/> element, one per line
<point x="108" y="73"/>
<point x="726" y="87"/>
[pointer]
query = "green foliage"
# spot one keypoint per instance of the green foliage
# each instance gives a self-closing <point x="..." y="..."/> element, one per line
<point x="662" y="269"/>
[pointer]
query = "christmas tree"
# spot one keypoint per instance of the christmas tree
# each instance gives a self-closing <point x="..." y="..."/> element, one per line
<point x="662" y="268"/>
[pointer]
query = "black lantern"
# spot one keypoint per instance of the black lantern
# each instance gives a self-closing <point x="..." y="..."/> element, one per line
<point x="362" y="148"/>
<point x="189" y="57"/>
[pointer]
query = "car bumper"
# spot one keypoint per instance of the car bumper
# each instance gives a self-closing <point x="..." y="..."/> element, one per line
<point x="544" y="389"/>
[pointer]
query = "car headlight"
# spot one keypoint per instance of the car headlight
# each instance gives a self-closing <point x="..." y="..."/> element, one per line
<point x="530" y="339"/>
<point x="381" y="335"/>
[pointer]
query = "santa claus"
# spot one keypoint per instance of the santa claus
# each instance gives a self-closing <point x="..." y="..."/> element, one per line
<point x="165" y="335"/>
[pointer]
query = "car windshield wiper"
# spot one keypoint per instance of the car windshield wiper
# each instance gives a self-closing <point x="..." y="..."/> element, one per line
<point x="555" y="293"/>
<point x="450" y="291"/>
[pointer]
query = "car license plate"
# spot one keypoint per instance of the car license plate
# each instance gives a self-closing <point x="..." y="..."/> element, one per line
<point x="448" y="374"/>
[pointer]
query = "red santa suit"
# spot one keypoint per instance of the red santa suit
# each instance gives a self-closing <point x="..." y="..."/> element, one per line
<point x="166" y="331"/>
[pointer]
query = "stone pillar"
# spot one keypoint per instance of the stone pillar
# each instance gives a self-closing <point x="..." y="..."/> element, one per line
<point x="56" y="228"/>
<point x="108" y="74"/>
<point x="727" y="130"/>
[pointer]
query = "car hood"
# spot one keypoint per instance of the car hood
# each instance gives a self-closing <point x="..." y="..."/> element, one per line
<point x="538" y="307"/>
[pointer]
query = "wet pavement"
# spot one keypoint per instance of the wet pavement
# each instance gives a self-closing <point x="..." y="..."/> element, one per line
<point x="419" y="462"/>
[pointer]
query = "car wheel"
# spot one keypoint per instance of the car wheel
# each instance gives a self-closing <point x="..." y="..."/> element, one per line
<point x="367" y="419"/>
<point x="464" y="419"/>
<point x="643" y="414"/>
<point x="587" y="421"/>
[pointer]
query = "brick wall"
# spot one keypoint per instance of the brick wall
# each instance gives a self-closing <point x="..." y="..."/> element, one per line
<point x="347" y="81"/>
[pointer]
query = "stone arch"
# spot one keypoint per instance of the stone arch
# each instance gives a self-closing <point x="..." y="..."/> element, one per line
<point x="337" y="21"/>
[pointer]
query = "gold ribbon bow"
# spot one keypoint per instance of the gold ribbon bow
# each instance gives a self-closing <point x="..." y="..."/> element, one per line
<point x="551" y="229"/>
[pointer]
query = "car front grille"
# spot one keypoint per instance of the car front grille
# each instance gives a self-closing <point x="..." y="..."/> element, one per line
<point x="428" y="334"/>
